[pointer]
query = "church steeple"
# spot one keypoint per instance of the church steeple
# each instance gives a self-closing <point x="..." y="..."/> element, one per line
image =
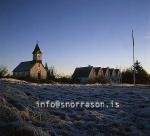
<point x="37" y="54"/>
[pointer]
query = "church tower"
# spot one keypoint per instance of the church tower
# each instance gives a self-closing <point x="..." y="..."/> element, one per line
<point x="37" y="54"/>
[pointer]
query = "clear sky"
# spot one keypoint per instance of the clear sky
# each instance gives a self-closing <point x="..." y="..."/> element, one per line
<point x="75" y="33"/>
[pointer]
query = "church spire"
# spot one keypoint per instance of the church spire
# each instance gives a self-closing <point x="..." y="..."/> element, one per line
<point x="37" y="54"/>
<point x="37" y="49"/>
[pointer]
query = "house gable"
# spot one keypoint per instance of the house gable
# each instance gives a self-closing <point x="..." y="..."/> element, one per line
<point x="92" y="74"/>
<point x="36" y="69"/>
<point x="100" y="73"/>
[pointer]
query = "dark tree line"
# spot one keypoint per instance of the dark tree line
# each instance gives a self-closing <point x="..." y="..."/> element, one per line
<point x="142" y="77"/>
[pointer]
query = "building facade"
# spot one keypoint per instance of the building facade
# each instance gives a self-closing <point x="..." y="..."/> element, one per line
<point x="94" y="74"/>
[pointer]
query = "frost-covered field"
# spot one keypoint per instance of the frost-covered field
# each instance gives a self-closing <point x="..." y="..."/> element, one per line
<point x="19" y="115"/>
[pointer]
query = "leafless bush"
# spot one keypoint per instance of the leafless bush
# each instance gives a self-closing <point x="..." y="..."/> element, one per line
<point x="3" y="71"/>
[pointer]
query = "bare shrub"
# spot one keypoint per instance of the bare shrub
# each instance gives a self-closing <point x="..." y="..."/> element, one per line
<point x="3" y="71"/>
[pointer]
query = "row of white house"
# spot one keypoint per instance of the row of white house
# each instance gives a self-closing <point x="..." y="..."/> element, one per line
<point x="90" y="73"/>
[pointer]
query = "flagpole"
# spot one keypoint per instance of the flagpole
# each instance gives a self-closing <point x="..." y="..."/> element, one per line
<point x="133" y="59"/>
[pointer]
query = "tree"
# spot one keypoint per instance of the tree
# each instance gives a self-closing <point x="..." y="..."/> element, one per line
<point x="142" y="77"/>
<point x="46" y="66"/>
<point x="51" y="73"/>
<point x="138" y="67"/>
<point x="127" y="76"/>
<point x="3" y="71"/>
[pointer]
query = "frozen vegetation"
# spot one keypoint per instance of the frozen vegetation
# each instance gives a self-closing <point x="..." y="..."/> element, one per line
<point x="20" y="116"/>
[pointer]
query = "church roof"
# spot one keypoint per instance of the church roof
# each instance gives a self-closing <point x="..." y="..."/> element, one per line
<point x="24" y="66"/>
<point x="82" y="72"/>
<point x="37" y="49"/>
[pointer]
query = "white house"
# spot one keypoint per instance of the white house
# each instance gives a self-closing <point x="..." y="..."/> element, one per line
<point x="91" y="74"/>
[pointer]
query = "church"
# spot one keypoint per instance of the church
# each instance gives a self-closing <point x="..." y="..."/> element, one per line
<point x="32" y="69"/>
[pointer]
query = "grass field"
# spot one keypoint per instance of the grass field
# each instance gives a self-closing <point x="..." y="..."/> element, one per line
<point x="20" y="116"/>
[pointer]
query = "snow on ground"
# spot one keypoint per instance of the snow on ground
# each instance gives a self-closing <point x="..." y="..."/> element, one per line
<point x="20" y="116"/>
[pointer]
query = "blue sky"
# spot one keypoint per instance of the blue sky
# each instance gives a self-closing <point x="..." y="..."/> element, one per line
<point x="75" y="33"/>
